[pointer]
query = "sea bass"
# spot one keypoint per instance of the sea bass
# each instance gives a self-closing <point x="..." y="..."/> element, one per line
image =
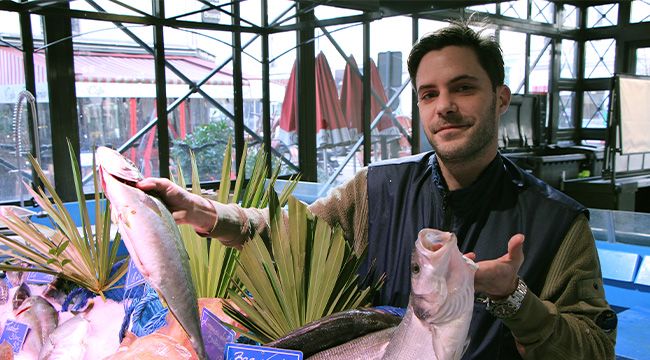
<point x="42" y="318"/>
<point x="439" y="312"/>
<point x="153" y="241"/>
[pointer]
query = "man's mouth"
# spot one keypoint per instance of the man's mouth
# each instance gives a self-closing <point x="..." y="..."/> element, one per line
<point x="450" y="127"/>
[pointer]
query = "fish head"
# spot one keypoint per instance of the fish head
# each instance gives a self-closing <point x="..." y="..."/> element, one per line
<point x="111" y="162"/>
<point x="430" y="261"/>
<point x="118" y="176"/>
<point x="438" y="272"/>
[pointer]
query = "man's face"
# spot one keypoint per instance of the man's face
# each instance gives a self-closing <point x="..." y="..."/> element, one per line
<point x="458" y="108"/>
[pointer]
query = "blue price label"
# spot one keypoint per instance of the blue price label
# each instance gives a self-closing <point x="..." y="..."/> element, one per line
<point x="14" y="333"/>
<point x="251" y="352"/>
<point x="215" y="335"/>
<point x="133" y="277"/>
<point x="34" y="277"/>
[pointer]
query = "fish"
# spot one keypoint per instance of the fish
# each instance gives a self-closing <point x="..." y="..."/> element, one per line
<point x="437" y="319"/>
<point x="86" y="335"/>
<point x="41" y="317"/>
<point x="335" y="329"/>
<point x="153" y="241"/>
<point x="67" y="341"/>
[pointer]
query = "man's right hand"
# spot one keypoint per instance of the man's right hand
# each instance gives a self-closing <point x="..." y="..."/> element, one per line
<point x="186" y="207"/>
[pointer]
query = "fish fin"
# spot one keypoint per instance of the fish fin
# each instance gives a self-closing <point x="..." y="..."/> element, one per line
<point x="163" y="301"/>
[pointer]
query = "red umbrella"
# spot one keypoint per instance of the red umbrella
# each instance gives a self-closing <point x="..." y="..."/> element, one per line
<point x="352" y="100"/>
<point x="288" y="124"/>
<point x="331" y="127"/>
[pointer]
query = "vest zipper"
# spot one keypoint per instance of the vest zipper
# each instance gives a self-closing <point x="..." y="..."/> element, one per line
<point x="446" y="210"/>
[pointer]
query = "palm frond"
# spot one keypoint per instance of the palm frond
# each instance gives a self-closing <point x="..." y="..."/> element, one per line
<point x="306" y="273"/>
<point x="213" y="264"/>
<point x="82" y="255"/>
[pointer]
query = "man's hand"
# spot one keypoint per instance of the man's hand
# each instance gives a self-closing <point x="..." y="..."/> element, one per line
<point x="498" y="278"/>
<point x="186" y="208"/>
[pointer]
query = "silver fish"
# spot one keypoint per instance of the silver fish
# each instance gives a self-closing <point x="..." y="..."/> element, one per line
<point x="438" y="316"/>
<point x="41" y="317"/>
<point x="153" y="241"/>
<point x="67" y="341"/>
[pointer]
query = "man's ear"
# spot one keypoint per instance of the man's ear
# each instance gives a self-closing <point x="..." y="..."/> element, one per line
<point x="504" y="95"/>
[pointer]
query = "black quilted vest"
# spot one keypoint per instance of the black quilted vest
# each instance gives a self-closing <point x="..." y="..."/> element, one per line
<point x="408" y="194"/>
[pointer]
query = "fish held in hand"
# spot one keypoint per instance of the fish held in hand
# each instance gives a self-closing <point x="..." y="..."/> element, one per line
<point x="152" y="239"/>
<point x="441" y="302"/>
<point x="439" y="312"/>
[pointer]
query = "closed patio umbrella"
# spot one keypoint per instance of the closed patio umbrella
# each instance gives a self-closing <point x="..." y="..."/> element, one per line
<point x="352" y="100"/>
<point x="331" y="126"/>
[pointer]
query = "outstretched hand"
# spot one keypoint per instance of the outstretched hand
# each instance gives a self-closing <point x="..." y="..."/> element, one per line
<point x="183" y="205"/>
<point x="498" y="278"/>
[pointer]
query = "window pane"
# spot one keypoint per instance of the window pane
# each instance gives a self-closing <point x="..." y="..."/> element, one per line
<point x="599" y="58"/>
<point x="640" y="11"/>
<point x="284" y="137"/>
<point x="517" y="9"/>
<point x="642" y="56"/>
<point x="487" y="8"/>
<point x="389" y="137"/>
<point x="514" y="58"/>
<point x="565" y="117"/>
<point x="568" y="63"/>
<point x="540" y="64"/>
<point x="542" y="11"/>
<point x="115" y="91"/>
<point x="602" y="15"/>
<point x="15" y="106"/>
<point x="570" y="16"/>
<point x="136" y="8"/>
<point x="595" y="109"/>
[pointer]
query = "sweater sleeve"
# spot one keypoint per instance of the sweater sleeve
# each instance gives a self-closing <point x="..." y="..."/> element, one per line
<point x="562" y="322"/>
<point x="346" y="205"/>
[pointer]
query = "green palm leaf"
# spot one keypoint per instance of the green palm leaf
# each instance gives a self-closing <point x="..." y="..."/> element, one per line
<point x="213" y="264"/>
<point x="82" y="255"/>
<point x="305" y="273"/>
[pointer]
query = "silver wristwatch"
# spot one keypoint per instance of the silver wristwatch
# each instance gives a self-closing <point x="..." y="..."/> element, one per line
<point x="509" y="306"/>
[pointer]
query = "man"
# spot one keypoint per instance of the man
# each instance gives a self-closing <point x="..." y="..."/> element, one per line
<point x="544" y="298"/>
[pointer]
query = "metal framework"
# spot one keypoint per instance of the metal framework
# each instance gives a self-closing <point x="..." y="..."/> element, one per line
<point x="57" y="17"/>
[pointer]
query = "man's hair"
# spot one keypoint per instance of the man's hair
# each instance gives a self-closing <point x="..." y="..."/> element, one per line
<point x="459" y="33"/>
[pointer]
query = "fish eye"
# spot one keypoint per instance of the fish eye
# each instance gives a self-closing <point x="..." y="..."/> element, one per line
<point x="415" y="268"/>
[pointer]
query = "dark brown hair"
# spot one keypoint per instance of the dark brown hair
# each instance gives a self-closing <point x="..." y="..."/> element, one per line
<point x="459" y="33"/>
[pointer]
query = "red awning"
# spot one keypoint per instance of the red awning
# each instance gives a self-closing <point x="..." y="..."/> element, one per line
<point x="352" y="100"/>
<point x="331" y="126"/>
<point x="113" y="68"/>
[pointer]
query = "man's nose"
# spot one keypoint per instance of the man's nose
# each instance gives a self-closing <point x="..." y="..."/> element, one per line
<point x="445" y="104"/>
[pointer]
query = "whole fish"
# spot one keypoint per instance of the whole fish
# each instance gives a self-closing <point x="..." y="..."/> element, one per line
<point x="336" y="329"/>
<point x="439" y="312"/>
<point x="41" y="317"/>
<point x="153" y="241"/>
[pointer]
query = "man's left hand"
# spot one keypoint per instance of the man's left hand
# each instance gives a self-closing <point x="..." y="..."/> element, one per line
<point x="498" y="278"/>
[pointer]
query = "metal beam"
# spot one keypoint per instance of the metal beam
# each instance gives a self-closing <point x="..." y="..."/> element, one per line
<point x="161" y="91"/>
<point x="64" y="120"/>
<point x="306" y="99"/>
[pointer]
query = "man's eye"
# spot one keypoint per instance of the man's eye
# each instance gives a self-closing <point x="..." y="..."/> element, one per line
<point x="427" y="96"/>
<point x="464" y="88"/>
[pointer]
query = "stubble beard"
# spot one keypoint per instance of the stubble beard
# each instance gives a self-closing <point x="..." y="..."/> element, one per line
<point x="479" y="140"/>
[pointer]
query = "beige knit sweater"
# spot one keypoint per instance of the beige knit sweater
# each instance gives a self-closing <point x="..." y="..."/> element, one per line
<point x="558" y="323"/>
